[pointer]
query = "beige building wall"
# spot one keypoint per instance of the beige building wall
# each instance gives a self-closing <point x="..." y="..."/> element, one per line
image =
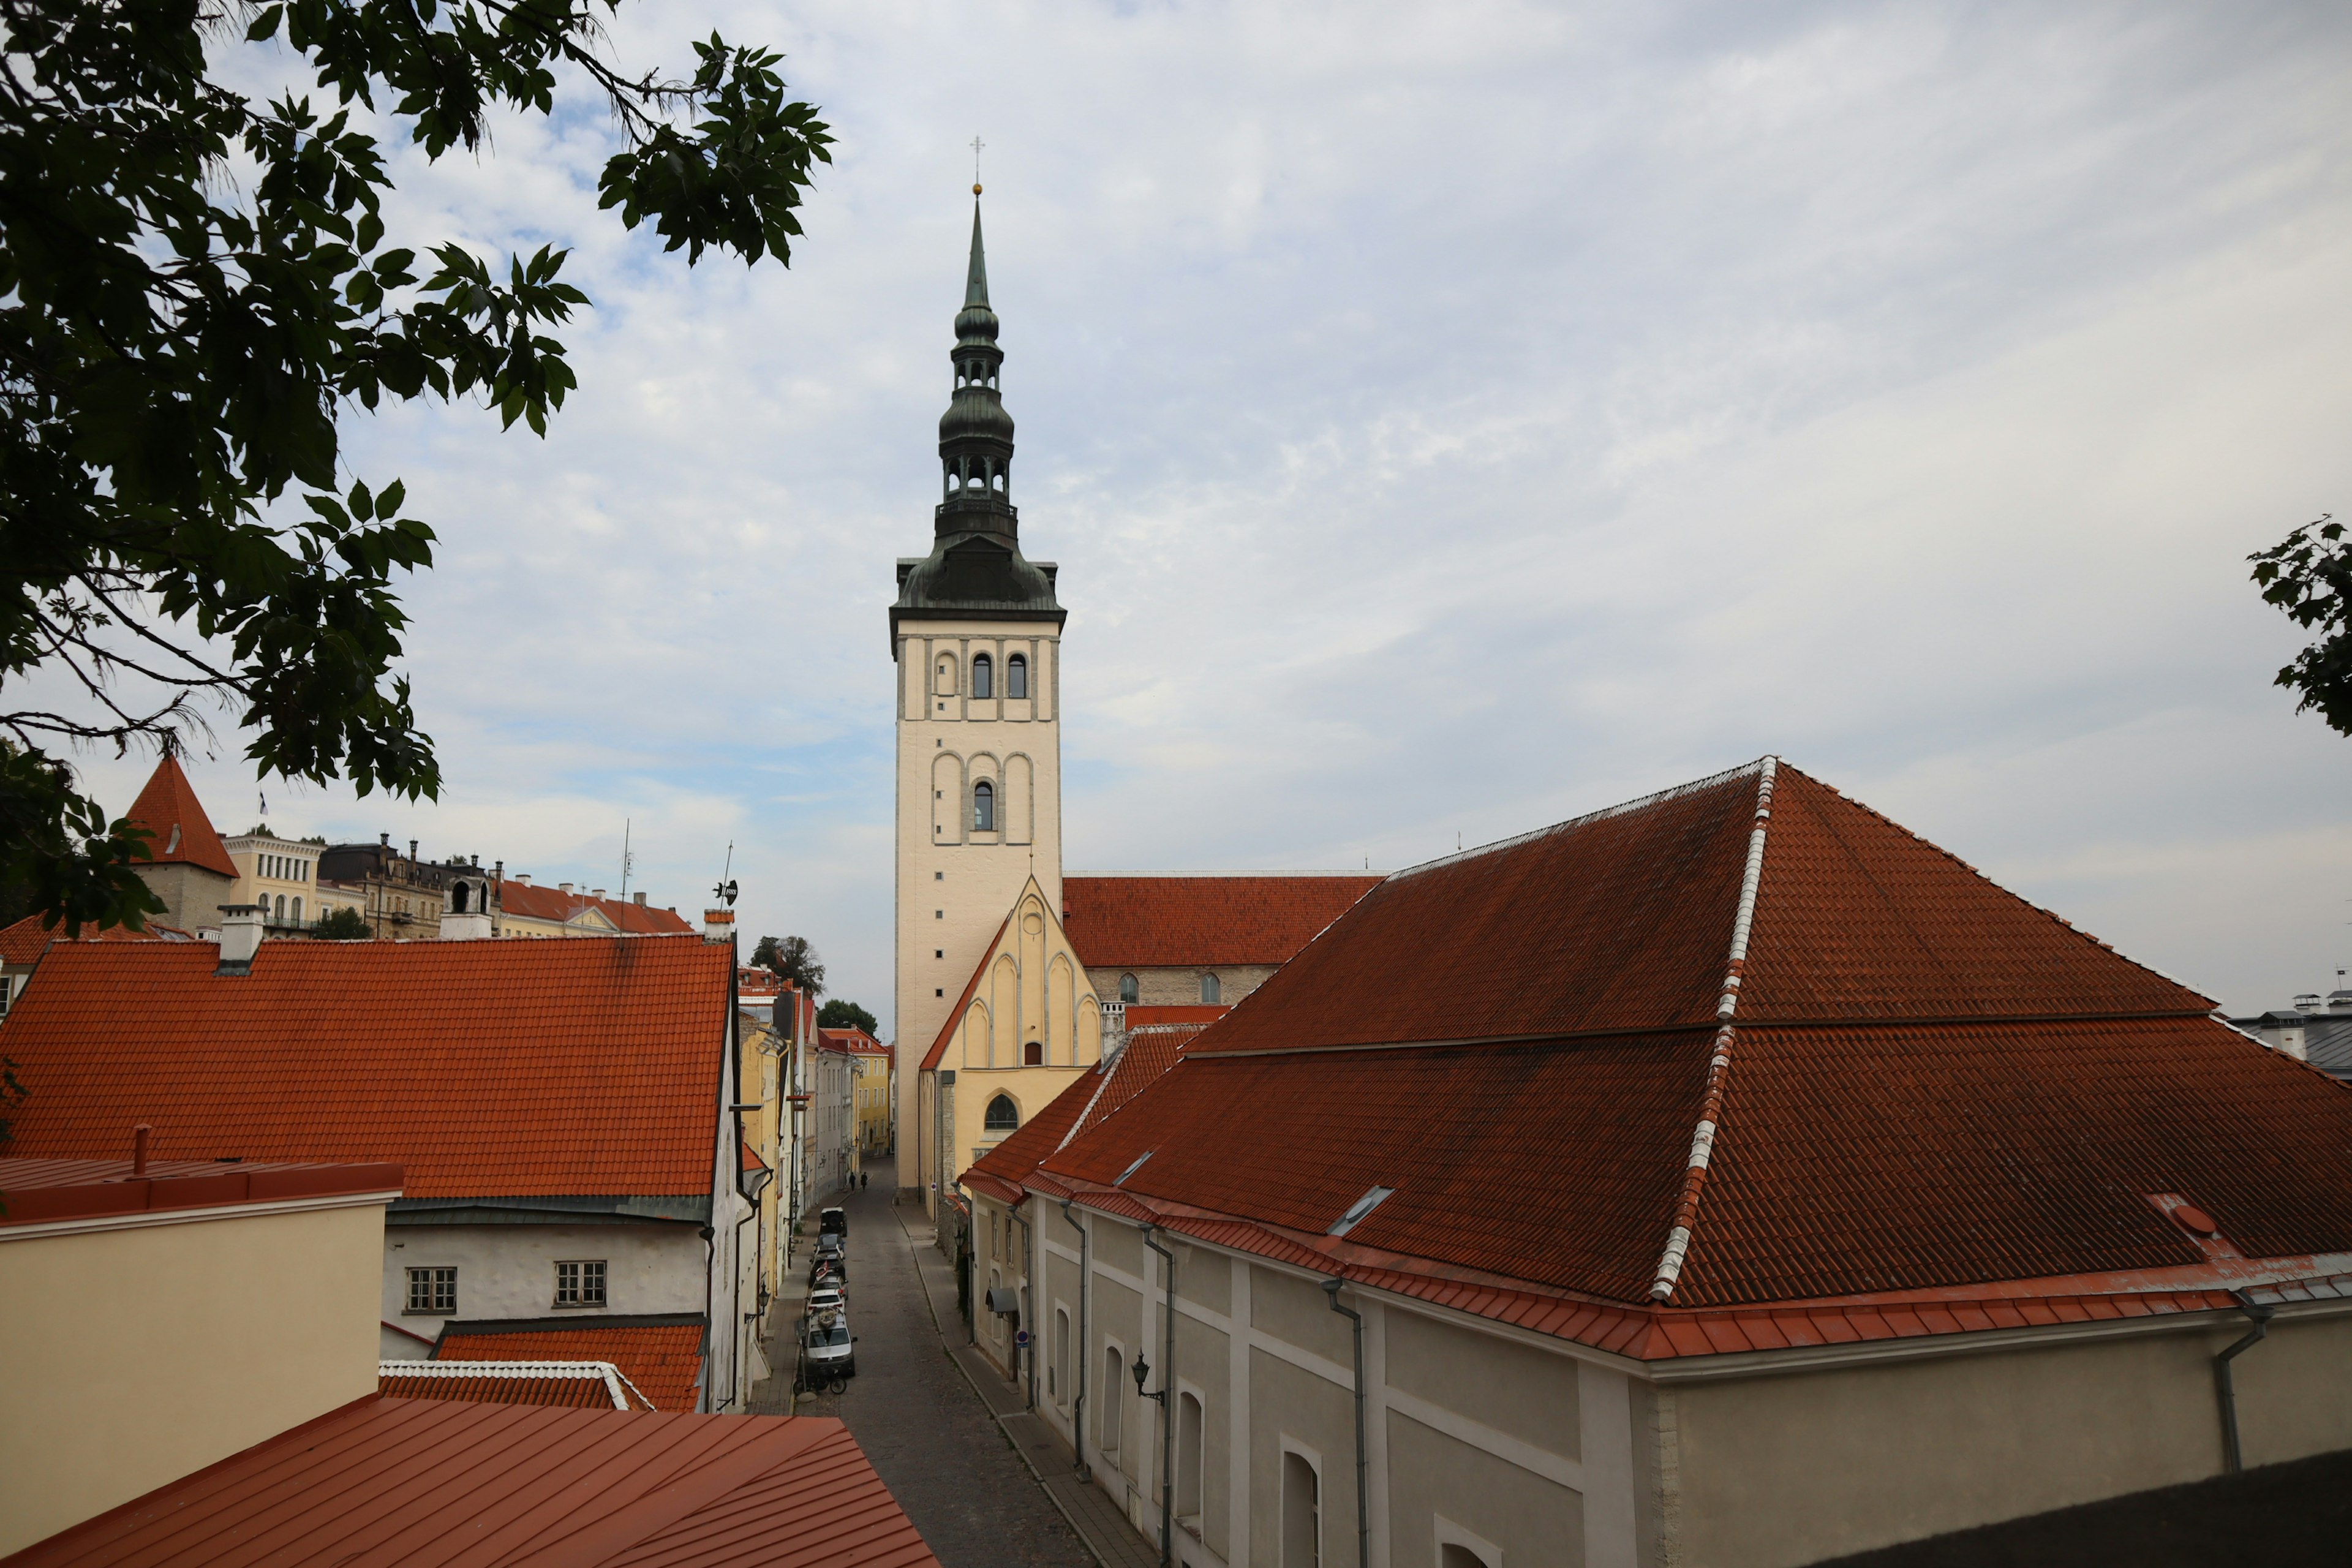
<point x="272" y="872"/>
<point x="133" y="1356"/>
<point x="192" y="895"/>
<point x="955" y="882"/>
<point x="1181" y="987"/>
<point x="1790" y="1469"/>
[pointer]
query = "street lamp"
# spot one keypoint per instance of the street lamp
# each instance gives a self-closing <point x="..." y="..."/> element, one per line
<point x="1142" y="1372"/>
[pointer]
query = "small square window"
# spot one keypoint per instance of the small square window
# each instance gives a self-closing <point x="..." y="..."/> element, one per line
<point x="433" y="1291"/>
<point x="938" y="875"/>
<point x="939" y="992"/>
<point x="938" y="914"/>
<point x="580" y="1284"/>
<point x="939" y="952"/>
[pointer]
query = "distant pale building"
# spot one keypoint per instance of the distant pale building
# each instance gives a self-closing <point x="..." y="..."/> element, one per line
<point x="870" y="1063"/>
<point x="281" y="877"/>
<point x="526" y="910"/>
<point x="2317" y="1029"/>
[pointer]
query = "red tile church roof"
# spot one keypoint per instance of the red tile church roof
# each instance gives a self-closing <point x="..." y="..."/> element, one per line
<point x="487" y="1068"/>
<point x="168" y="808"/>
<point x="1187" y="921"/>
<point x="1904" y="1082"/>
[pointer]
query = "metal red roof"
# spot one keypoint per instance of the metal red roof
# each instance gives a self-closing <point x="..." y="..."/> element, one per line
<point x="168" y="808"/>
<point x="48" y="1192"/>
<point x="390" y="1051"/>
<point x="421" y="1482"/>
<point x="662" y="1359"/>
<point x="1179" y="921"/>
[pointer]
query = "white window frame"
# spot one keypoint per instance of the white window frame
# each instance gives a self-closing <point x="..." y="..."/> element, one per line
<point x="1449" y="1533"/>
<point x="580" y="1303"/>
<point x="1285" y="1445"/>
<point x="432" y="1309"/>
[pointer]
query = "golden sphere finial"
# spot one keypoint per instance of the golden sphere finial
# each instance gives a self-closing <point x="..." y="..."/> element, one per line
<point x="976" y="189"/>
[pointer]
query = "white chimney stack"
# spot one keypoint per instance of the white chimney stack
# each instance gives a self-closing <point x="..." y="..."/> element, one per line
<point x="240" y="936"/>
<point x="472" y="926"/>
<point x="719" y="925"/>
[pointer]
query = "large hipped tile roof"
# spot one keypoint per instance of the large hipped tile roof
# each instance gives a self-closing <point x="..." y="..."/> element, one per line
<point x="1180" y="922"/>
<point x="168" y="808"/>
<point x="1742" y="1049"/>
<point x="627" y="916"/>
<point x="431" y="1482"/>
<point x="663" y="1359"/>
<point x="487" y="1068"/>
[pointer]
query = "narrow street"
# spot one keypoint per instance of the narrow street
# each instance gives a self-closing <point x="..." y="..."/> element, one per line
<point x="935" y="1445"/>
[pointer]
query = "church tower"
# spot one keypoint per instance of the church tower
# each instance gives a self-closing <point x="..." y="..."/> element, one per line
<point x="976" y="632"/>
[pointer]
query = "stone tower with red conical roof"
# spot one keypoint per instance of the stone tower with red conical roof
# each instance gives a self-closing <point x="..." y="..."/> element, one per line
<point x="189" y="869"/>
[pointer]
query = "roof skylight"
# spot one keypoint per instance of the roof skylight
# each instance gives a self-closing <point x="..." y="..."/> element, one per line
<point x="1132" y="1169"/>
<point x="1359" y="1209"/>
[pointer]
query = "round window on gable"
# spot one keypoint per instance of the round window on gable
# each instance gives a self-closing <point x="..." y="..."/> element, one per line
<point x="1002" y="1115"/>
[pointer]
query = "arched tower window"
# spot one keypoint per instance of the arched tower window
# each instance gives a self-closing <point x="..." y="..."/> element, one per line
<point x="947" y="674"/>
<point x="457" y="899"/>
<point x="983" y="807"/>
<point x="1002" y="1115"/>
<point x="1017" y="677"/>
<point x="1128" y="989"/>
<point x="983" y="676"/>
<point x="1211" y="993"/>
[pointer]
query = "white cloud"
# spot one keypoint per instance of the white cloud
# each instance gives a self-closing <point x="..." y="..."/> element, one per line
<point x="1448" y="419"/>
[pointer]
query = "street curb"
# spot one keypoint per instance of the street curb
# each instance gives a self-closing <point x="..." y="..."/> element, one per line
<point x="1010" y="1441"/>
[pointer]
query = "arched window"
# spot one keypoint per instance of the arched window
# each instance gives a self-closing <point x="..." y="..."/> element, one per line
<point x="1190" y="1453"/>
<point x="1211" y="993"/>
<point x="1002" y="1115"/>
<point x="1016" y="678"/>
<point x="947" y="674"/>
<point x="1128" y="989"/>
<point x="983" y="807"/>
<point x="983" y="676"/>
<point x="297" y="911"/>
<point x="457" y="899"/>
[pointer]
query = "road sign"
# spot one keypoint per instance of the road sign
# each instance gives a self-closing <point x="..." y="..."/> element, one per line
<point x="1022" y="1339"/>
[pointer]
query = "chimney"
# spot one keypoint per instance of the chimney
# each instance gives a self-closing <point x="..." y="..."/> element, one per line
<point x="240" y="937"/>
<point x="412" y="849"/>
<point x="385" y="839"/>
<point x="641" y="900"/>
<point x="565" y="887"/>
<point x="596" y="893"/>
<point x="474" y="925"/>
<point x="139" y="1149"/>
<point x="719" y="925"/>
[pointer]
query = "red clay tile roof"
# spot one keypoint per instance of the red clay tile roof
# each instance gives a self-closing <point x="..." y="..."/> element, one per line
<point x="963" y="1003"/>
<point x="25" y="941"/>
<point x="1911" y="1082"/>
<point x="168" y="808"/>
<point x="628" y="916"/>
<point x="411" y="1052"/>
<point x="858" y="1042"/>
<point x="1180" y="922"/>
<point x="45" y="1191"/>
<point x="565" y="1385"/>
<point x="434" y="1483"/>
<point x="1149" y="1015"/>
<point x="663" y="1360"/>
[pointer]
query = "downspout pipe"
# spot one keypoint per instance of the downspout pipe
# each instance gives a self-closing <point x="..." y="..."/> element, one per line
<point x="2233" y="1457"/>
<point x="1363" y="1508"/>
<point x="1029" y="1290"/>
<point x="1167" y="1407"/>
<point x="1085" y="1345"/>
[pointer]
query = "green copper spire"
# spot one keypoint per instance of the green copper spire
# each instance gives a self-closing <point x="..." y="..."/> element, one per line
<point x="975" y="567"/>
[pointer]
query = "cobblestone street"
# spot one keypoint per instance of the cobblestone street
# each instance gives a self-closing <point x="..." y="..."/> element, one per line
<point x="933" y="1442"/>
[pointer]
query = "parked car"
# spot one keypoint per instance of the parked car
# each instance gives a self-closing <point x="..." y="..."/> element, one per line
<point x="830" y="1300"/>
<point x="828" y="1350"/>
<point x="833" y="1222"/>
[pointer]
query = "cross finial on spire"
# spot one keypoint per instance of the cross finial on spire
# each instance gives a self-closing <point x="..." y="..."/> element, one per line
<point x="976" y="145"/>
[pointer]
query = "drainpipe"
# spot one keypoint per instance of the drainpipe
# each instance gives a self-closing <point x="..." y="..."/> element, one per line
<point x="1167" y="1409"/>
<point x="1029" y="1306"/>
<point x="1363" y="1509"/>
<point x="2232" y="1460"/>
<point x="1085" y="1346"/>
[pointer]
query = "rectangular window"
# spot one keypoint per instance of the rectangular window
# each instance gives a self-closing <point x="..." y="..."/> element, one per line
<point x="433" y="1291"/>
<point x="580" y="1284"/>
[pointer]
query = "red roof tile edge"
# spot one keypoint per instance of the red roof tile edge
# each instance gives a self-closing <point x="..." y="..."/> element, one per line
<point x="1640" y="803"/>
<point x="1718" y="1066"/>
<point x="1659" y="1332"/>
<point x="221" y="1188"/>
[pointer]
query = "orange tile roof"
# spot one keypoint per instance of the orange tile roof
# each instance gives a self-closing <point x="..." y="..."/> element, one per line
<point x="168" y="808"/>
<point x="628" y="916"/>
<point x="25" y="941"/>
<point x="566" y="1385"/>
<point x="42" y="1192"/>
<point x="1764" y="1049"/>
<point x="487" y="1069"/>
<point x="435" y="1483"/>
<point x="1151" y="1015"/>
<point x="1181" y="922"/>
<point x="663" y="1357"/>
<point x="858" y="1042"/>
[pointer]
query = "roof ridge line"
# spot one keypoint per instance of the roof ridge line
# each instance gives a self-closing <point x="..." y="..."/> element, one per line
<point x="1675" y="793"/>
<point x="1718" y="1066"/>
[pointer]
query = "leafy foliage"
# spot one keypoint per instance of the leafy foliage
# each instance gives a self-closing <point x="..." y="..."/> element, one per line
<point x="792" y="959"/>
<point x="195" y="286"/>
<point x="840" y="1014"/>
<point x="342" y="923"/>
<point x="2309" y="575"/>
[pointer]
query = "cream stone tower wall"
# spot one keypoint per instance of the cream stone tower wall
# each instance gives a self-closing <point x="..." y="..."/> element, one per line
<point x="956" y="884"/>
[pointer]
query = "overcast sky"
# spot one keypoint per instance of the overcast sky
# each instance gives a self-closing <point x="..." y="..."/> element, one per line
<point x="1448" y="420"/>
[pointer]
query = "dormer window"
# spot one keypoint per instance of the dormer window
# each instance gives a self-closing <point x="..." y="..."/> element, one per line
<point x="983" y="676"/>
<point x="983" y="807"/>
<point x="1016" y="678"/>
